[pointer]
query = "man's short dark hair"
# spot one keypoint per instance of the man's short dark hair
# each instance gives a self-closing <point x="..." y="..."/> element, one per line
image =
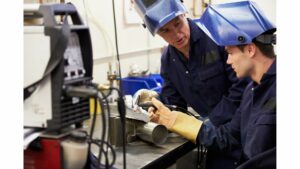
<point x="266" y="49"/>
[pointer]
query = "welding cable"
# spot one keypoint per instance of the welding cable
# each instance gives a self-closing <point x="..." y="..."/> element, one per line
<point x="198" y="157"/>
<point x="108" y="121"/>
<point x="122" y="113"/>
<point x="146" y="106"/>
<point x="90" y="137"/>
<point x="92" y="92"/>
<point x="116" y="41"/>
<point x="108" y="94"/>
<point x="201" y="155"/>
<point x="204" y="155"/>
<point x="94" y="117"/>
<point x="92" y="124"/>
<point x="102" y="142"/>
<point x="103" y="126"/>
<point x="113" y="153"/>
<point x="107" y="118"/>
<point x="98" y="163"/>
<point x="101" y="97"/>
<point x="177" y="108"/>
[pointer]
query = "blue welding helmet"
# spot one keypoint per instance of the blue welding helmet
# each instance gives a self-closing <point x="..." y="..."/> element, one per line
<point x="157" y="13"/>
<point x="237" y="23"/>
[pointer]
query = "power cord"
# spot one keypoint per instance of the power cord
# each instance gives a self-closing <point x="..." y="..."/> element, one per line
<point x="108" y="122"/>
<point x="146" y="106"/>
<point x="92" y="92"/>
<point x="107" y="165"/>
<point x="177" y="108"/>
<point x="103" y="127"/>
<point x="122" y="114"/>
<point x="201" y="153"/>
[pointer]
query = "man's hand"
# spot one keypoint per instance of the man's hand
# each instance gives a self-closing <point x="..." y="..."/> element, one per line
<point x="161" y="114"/>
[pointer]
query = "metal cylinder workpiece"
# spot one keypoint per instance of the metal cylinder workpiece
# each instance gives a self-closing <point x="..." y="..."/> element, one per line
<point x="152" y="132"/>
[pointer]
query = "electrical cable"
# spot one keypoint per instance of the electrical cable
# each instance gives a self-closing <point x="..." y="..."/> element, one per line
<point x="201" y="150"/>
<point x="108" y="119"/>
<point x="102" y="141"/>
<point x="122" y="113"/>
<point x="204" y="153"/>
<point x="104" y="135"/>
<point x="92" y="92"/>
<point x="116" y="41"/>
<point x="121" y="104"/>
<point x="198" y="157"/>
<point x="174" y="107"/>
<point x="108" y="125"/>
<point x="201" y="156"/>
<point x="103" y="127"/>
<point x="93" y="122"/>
<point x="121" y="108"/>
<point x="108" y="94"/>
<point x="96" y="142"/>
<point x="146" y="106"/>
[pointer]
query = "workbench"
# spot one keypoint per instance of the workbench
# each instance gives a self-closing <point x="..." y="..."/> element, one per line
<point x="140" y="154"/>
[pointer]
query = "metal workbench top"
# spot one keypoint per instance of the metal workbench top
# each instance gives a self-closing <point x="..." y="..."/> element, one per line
<point x="140" y="154"/>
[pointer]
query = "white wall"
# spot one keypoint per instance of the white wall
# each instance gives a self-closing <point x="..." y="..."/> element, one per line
<point x="136" y="44"/>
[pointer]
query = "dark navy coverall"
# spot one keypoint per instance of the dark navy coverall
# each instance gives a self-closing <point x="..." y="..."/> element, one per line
<point x="253" y="126"/>
<point x="205" y="82"/>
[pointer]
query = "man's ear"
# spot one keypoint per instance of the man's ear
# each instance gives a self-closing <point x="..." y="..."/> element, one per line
<point x="251" y="49"/>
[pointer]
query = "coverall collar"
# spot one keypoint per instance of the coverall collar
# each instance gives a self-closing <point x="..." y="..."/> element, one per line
<point x="272" y="69"/>
<point x="270" y="73"/>
<point x="195" y="32"/>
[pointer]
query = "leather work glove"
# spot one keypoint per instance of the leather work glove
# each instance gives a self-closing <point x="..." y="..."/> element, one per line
<point x="177" y="122"/>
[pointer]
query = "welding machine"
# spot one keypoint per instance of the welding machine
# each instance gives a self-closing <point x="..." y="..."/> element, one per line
<point x="57" y="54"/>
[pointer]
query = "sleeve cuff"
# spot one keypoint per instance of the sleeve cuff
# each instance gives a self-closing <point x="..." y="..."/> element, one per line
<point x="186" y="126"/>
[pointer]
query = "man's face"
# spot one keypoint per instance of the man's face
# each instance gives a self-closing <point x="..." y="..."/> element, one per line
<point x="239" y="60"/>
<point x="176" y="32"/>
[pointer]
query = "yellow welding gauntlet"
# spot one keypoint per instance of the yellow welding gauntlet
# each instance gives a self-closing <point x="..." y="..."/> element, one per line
<point x="177" y="122"/>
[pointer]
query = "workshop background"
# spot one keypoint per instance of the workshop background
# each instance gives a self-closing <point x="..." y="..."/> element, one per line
<point x="282" y="12"/>
<point x="138" y="49"/>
